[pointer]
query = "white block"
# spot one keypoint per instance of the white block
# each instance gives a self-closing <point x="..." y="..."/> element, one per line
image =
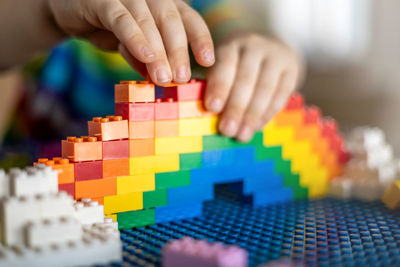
<point x="88" y="212"/>
<point x="33" y="180"/>
<point x="4" y="184"/>
<point x="50" y="232"/>
<point x="16" y="213"/>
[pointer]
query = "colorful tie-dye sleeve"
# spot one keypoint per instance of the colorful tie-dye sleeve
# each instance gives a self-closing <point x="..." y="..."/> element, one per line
<point x="222" y="16"/>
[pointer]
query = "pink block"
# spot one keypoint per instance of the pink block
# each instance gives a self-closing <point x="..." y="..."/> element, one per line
<point x="200" y="253"/>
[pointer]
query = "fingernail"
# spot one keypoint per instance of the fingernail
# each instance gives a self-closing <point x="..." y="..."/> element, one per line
<point x="245" y="134"/>
<point x="147" y="52"/>
<point x="208" y="56"/>
<point x="215" y="105"/>
<point x="229" y="127"/>
<point x="162" y="76"/>
<point x="181" y="74"/>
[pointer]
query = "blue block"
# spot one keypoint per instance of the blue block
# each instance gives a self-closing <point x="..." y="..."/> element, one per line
<point x="218" y="157"/>
<point x="190" y="194"/>
<point x="272" y="197"/>
<point x="244" y="156"/>
<point x="263" y="183"/>
<point x="178" y="212"/>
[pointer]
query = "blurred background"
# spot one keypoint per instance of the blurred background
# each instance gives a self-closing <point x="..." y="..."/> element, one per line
<point x="352" y="48"/>
<point x="353" y="53"/>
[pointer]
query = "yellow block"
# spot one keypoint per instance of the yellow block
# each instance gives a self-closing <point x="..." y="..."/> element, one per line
<point x="112" y="216"/>
<point x="391" y="197"/>
<point x="181" y="144"/>
<point x="121" y="203"/>
<point x="277" y="135"/>
<point x="296" y="148"/>
<point x="136" y="183"/>
<point x="153" y="164"/>
<point x="198" y="126"/>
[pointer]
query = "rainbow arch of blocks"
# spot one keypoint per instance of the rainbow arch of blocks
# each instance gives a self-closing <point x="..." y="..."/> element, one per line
<point x="159" y="158"/>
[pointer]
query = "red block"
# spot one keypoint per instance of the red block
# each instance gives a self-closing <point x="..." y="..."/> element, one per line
<point x="135" y="111"/>
<point x="193" y="90"/>
<point x="88" y="170"/>
<point x="295" y="101"/>
<point x="117" y="149"/>
<point x="69" y="188"/>
<point x="312" y="115"/>
<point x="167" y="110"/>
<point x="329" y="128"/>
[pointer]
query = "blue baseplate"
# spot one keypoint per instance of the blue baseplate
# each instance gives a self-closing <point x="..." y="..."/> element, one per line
<point x="325" y="232"/>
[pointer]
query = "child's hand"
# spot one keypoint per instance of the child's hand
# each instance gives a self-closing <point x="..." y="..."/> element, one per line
<point x="155" y="32"/>
<point x="250" y="82"/>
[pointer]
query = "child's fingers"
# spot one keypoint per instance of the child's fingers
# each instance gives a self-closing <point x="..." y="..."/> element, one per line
<point x="266" y="85"/>
<point x="198" y="35"/>
<point x="221" y="76"/>
<point x="172" y="31"/>
<point x="241" y="93"/>
<point x="136" y="64"/>
<point x="116" y="18"/>
<point x="159" y="70"/>
<point x="285" y="87"/>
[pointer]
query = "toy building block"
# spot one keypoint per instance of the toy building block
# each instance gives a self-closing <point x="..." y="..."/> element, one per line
<point x="141" y="129"/>
<point x="122" y="203"/>
<point x="136" y="183"/>
<point x="96" y="188"/>
<point x="33" y="180"/>
<point x="181" y="144"/>
<point x="116" y="149"/>
<point x="312" y="114"/>
<point x="154" y="164"/>
<point x="134" y="92"/>
<point x="135" y="111"/>
<point x="166" y="110"/>
<point x="296" y="101"/>
<point x="68" y="188"/>
<point x="192" y="109"/>
<point x="88" y="170"/>
<point x="64" y="168"/>
<point x="141" y="147"/>
<point x="51" y="232"/>
<point x="82" y="149"/>
<point x="4" y="184"/>
<point x="115" y="167"/>
<point x="189" y="252"/>
<point x="167" y="128"/>
<point x="89" y="212"/>
<point x="194" y="90"/>
<point x="391" y="197"/>
<point x="341" y="188"/>
<point x="198" y="126"/>
<point x="110" y="128"/>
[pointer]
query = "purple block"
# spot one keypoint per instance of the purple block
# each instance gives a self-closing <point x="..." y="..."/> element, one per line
<point x="200" y="253"/>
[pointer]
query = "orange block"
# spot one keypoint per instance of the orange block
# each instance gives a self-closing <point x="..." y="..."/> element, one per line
<point x="134" y="91"/>
<point x="65" y="169"/>
<point x="82" y="149"/>
<point x="192" y="109"/>
<point x="166" y="128"/>
<point x="141" y="129"/>
<point x="115" y="167"/>
<point x="290" y="117"/>
<point x="110" y="128"/>
<point x="141" y="147"/>
<point x="96" y="188"/>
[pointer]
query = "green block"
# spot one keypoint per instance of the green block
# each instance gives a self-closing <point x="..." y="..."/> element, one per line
<point x="166" y="180"/>
<point x="189" y="161"/>
<point x="211" y="142"/>
<point x="272" y="152"/>
<point x="136" y="218"/>
<point x="155" y="198"/>
<point x="291" y="180"/>
<point x="300" y="192"/>
<point x="283" y="166"/>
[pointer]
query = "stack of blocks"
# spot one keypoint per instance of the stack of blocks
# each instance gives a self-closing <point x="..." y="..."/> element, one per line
<point x="159" y="158"/>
